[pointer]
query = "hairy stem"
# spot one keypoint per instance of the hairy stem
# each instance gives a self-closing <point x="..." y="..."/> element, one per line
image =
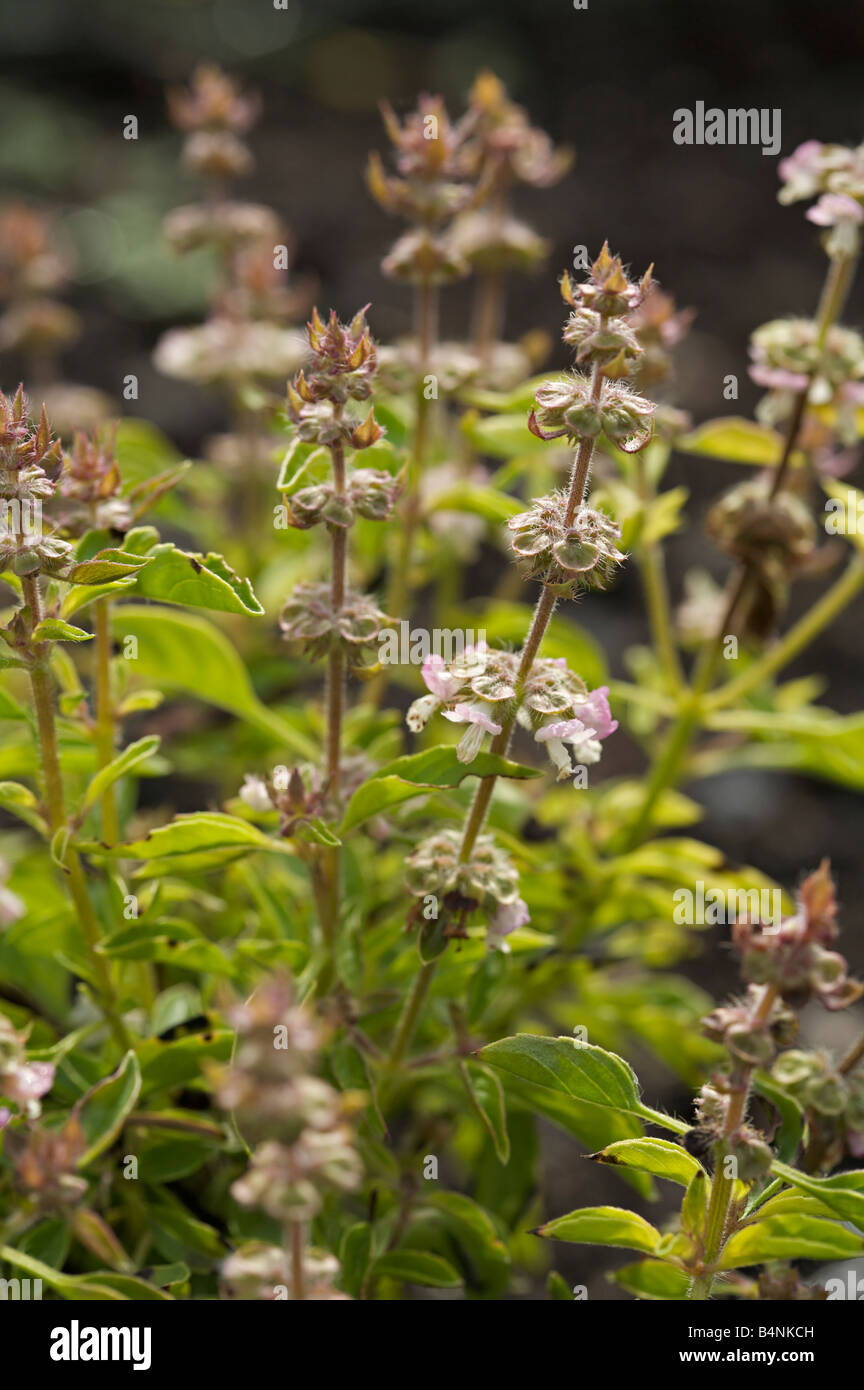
<point x="501" y="742"/>
<point x="722" y="1184"/>
<point x="426" y="332"/>
<point x="332" y="863"/>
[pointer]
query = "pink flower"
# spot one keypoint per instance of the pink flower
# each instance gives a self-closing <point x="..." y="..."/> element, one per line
<point x="508" y="917"/>
<point x="833" y="208"/>
<point x="26" y="1081"/>
<point x="801" y="171"/>
<point x="480" y="723"/>
<point x="778" y="378"/>
<point x="582" y="734"/>
<point x="5" y="1116"/>
<point x="595" y="712"/>
<point x="438" y="680"/>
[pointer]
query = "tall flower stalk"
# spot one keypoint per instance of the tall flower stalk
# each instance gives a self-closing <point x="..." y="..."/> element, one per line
<point x="32" y="464"/>
<point x="428" y="191"/>
<point x="331" y="619"/>
<point x="568" y="547"/>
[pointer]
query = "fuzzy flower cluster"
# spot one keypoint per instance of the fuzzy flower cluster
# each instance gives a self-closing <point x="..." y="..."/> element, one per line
<point x="583" y="405"/>
<point x="485" y="881"/>
<point x="563" y="554"/>
<point x="303" y="1147"/>
<point x="429" y="189"/>
<point x="787" y="357"/>
<point x="310" y="618"/>
<point x="31" y="462"/>
<point x="504" y="149"/>
<point x="301" y="794"/>
<point x="214" y="114"/>
<point x="784" y="967"/>
<point x="833" y="1102"/>
<point x="369" y="492"/>
<point x="775" y="536"/>
<point x="795" y="959"/>
<point x="480" y="688"/>
<point x="21" y="1082"/>
<point x="569" y="408"/>
<point x="834" y="174"/>
<point x="341" y="369"/>
<point x="43" y="1161"/>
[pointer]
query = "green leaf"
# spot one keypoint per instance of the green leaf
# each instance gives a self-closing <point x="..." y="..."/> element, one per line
<point x="737" y="440"/>
<point x="486" y="502"/>
<point x="300" y="459"/>
<point x="557" y="1288"/>
<point x="188" y="834"/>
<point x="844" y="1193"/>
<point x="176" y="1232"/>
<point x="660" y="1157"/>
<point x="133" y="754"/>
<point x="355" y="1257"/>
<point x="103" y="1110"/>
<point x="790" y="1201"/>
<point x="94" y="1233"/>
<point x="417" y="1267"/>
<point x="167" y="1065"/>
<point x="106" y="566"/>
<point x="502" y="436"/>
<point x="55" y="630"/>
<point x="407" y="777"/>
<point x="788" y="1137"/>
<point x="20" y="801"/>
<point x="603" y="1226"/>
<point x="195" y="581"/>
<point x="487" y="1097"/>
<point x="171" y="1159"/>
<point x="580" y="1070"/>
<point x="184" y="652"/>
<point x="790" y="1237"/>
<point x="103" y="1286"/>
<point x="694" y="1208"/>
<point x="652" y="1279"/>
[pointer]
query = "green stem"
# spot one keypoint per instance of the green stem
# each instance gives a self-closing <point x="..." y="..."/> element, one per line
<point x="426" y="330"/>
<point x="105" y="714"/>
<point x="56" y="804"/>
<point x="722" y="1185"/>
<point x="411" y="1012"/>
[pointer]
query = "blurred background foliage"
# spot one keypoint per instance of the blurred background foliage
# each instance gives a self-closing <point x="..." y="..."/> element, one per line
<point x="605" y="81"/>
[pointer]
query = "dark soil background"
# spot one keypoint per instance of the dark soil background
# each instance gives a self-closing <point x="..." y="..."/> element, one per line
<point x="604" y="80"/>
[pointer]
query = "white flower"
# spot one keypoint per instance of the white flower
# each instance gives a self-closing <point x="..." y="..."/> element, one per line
<point x="475" y="716"/>
<point x="571" y="733"/>
<point x="508" y="917"/>
<point x="255" y="794"/>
